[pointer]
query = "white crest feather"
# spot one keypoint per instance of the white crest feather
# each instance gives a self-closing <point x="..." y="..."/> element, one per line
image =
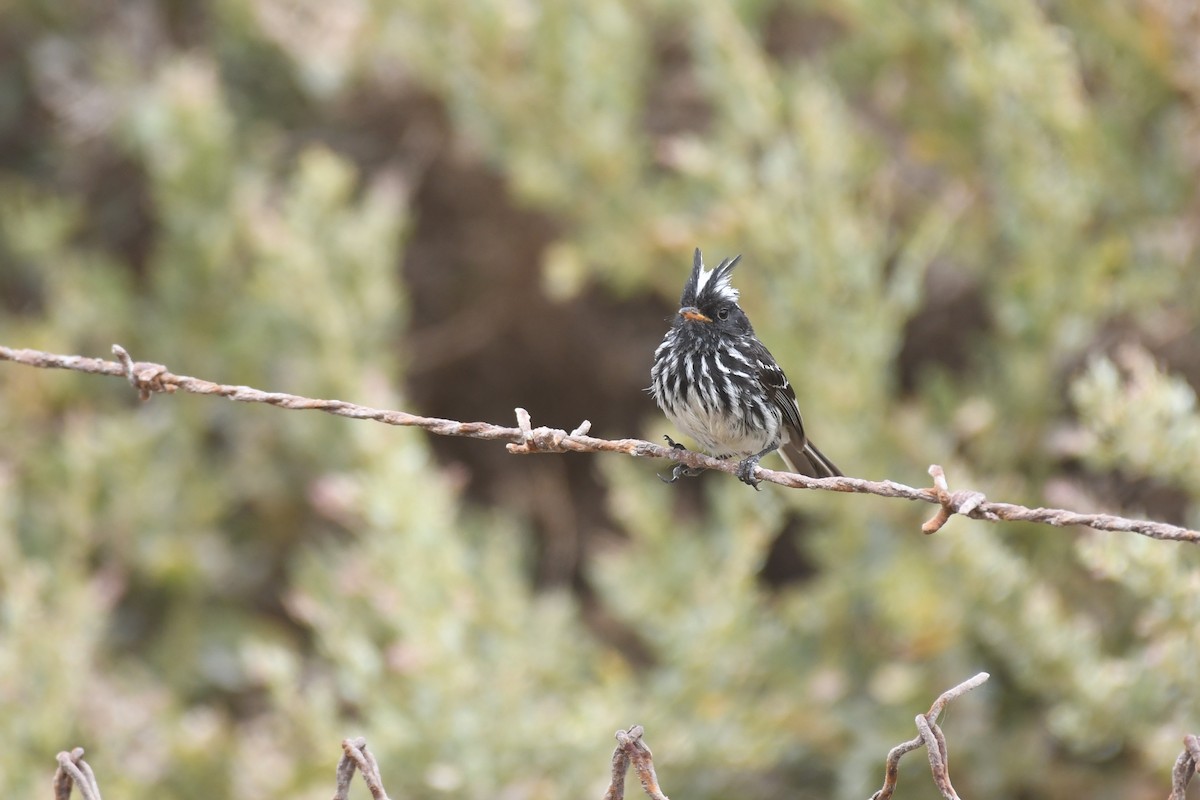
<point x="720" y="279"/>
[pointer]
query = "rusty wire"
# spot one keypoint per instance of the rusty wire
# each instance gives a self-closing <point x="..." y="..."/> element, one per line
<point x="355" y="755"/>
<point x="149" y="378"/>
<point x="930" y="735"/>
<point x="1186" y="766"/>
<point x="74" y="771"/>
<point x="632" y="750"/>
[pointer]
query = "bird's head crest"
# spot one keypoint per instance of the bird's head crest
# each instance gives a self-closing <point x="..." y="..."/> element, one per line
<point x="706" y="287"/>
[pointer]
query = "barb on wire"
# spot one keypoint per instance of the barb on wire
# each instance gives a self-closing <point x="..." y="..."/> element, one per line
<point x="930" y="735"/>
<point x="74" y="771"/>
<point x="149" y="378"/>
<point x="632" y="750"/>
<point x="355" y="755"/>
<point x="1186" y="766"/>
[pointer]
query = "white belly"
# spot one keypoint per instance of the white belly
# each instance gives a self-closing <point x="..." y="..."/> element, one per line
<point x="722" y="434"/>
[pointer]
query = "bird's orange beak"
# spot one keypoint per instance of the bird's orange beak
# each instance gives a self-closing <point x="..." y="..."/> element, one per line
<point x="692" y="313"/>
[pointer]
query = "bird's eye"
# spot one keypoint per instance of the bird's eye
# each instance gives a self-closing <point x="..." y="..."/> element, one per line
<point x="723" y="313"/>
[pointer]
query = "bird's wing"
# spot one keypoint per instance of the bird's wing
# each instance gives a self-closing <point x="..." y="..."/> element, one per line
<point x="805" y="457"/>
<point x="779" y="389"/>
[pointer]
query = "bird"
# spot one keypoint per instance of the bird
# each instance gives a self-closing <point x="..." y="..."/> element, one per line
<point x="720" y="385"/>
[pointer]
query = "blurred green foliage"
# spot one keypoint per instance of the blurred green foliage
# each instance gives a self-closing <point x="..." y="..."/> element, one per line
<point x="210" y="596"/>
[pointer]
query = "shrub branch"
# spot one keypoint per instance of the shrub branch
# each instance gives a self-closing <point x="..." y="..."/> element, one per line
<point x="150" y="378"/>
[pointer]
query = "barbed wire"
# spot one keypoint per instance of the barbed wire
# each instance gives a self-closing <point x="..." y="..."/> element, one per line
<point x="149" y="378"/>
<point x="632" y="750"/>
<point x="930" y="735"/>
<point x="356" y="756"/>
<point x="74" y="771"/>
<point x="1187" y="765"/>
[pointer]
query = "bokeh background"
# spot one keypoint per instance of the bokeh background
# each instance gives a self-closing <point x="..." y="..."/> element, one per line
<point x="969" y="232"/>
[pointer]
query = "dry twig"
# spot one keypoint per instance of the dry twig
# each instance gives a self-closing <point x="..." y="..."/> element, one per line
<point x="930" y="735"/>
<point x="356" y="755"/>
<point x="150" y="378"/>
<point x="74" y="771"/>
<point x="631" y="749"/>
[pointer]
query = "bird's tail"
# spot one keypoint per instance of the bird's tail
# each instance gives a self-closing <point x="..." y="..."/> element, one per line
<point x="808" y="460"/>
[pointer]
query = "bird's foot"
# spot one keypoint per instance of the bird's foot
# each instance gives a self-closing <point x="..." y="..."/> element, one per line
<point x="745" y="471"/>
<point x="680" y="470"/>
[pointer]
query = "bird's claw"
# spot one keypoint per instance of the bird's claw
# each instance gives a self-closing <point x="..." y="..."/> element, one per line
<point x="745" y="472"/>
<point x="680" y="470"/>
